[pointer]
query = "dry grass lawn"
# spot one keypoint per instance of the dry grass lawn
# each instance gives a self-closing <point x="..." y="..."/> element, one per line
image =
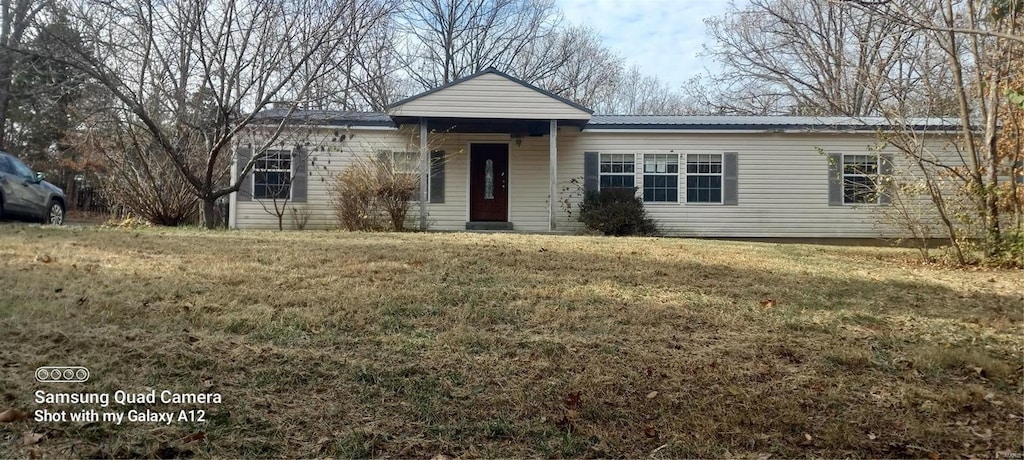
<point x="327" y="344"/>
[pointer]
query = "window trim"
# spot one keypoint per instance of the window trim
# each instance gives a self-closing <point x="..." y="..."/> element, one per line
<point x="392" y="163"/>
<point x="600" y="157"/>
<point x="721" y="180"/>
<point x="874" y="180"/>
<point x="291" y="174"/>
<point x="644" y="173"/>
<point x="395" y="163"/>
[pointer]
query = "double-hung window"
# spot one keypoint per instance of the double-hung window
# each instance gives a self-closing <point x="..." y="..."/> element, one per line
<point x="403" y="163"/>
<point x="661" y="177"/>
<point x="617" y="171"/>
<point x="704" y="178"/>
<point x="272" y="175"/>
<point x="859" y="174"/>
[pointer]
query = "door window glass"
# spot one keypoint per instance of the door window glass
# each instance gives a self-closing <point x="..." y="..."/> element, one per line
<point x="489" y="180"/>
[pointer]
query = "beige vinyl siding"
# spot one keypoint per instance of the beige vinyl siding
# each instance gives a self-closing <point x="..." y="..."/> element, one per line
<point x="489" y="96"/>
<point x="782" y="184"/>
<point x="527" y="182"/>
<point x="528" y="179"/>
<point x="327" y="158"/>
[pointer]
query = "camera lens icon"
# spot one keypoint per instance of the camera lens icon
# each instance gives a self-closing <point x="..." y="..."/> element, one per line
<point x="62" y="374"/>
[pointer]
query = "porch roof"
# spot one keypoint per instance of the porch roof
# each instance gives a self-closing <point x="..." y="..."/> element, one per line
<point x="488" y="95"/>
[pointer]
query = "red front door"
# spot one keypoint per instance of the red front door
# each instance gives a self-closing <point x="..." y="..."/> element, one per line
<point x="488" y="182"/>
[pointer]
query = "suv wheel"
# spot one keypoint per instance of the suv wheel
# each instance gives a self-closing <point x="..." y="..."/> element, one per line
<point x="54" y="214"/>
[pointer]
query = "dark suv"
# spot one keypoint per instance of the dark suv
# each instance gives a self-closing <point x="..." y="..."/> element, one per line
<point x="25" y="194"/>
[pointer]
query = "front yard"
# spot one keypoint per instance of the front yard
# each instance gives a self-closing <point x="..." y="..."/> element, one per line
<point x="496" y="345"/>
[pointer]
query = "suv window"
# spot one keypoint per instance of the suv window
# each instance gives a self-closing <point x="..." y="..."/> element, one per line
<point x="20" y="168"/>
<point x="5" y="167"/>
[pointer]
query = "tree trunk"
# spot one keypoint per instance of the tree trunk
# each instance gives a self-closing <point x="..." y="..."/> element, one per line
<point x="209" y="213"/>
<point x="5" y="99"/>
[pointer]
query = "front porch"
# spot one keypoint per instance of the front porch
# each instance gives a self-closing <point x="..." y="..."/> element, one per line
<point x="491" y="144"/>
<point x="492" y="181"/>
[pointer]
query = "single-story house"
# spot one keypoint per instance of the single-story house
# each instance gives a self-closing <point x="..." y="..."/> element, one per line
<point x="493" y="150"/>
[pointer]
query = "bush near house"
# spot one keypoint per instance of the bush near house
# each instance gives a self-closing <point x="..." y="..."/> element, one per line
<point x="616" y="212"/>
<point x="372" y="195"/>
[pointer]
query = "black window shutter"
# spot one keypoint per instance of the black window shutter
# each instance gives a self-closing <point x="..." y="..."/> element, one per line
<point x="300" y="157"/>
<point x="730" y="179"/>
<point x="885" y="181"/>
<point x="242" y="155"/>
<point x="437" y="161"/>
<point x="591" y="172"/>
<point x="835" y="179"/>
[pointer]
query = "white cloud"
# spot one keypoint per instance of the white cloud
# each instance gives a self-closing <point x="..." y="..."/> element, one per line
<point x="663" y="37"/>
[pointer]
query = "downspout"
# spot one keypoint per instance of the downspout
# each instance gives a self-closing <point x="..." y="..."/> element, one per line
<point x="233" y="197"/>
<point x="552" y="174"/>
<point x="424" y="174"/>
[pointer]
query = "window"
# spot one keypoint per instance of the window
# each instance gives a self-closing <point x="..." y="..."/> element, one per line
<point x="661" y="178"/>
<point x="617" y="171"/>
<point x="5" y="167"/>
<point x="20" y="169"/>
<point x="272" y="175"/>
<point x="403" y="163"/>
<point x="859" y="172"/>
<point x="704" y="178"/>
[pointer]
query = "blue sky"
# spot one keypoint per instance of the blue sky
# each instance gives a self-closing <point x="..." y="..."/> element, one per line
<point x="662" y="36"/>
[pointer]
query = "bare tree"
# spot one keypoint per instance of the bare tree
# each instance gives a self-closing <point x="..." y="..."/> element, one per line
<point x="575" y="64"/>
<point x="16" y="18"/>
<point x="981" y="55"/>
<point x="898" y="10"/>
<point x="811" y="58"/>
<point x="241" y="56"/>
<point x="449" y="39"/>
<point x="638" y="94"/>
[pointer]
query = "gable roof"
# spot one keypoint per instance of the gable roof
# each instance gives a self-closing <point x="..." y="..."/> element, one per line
<point x="425" y="101"/>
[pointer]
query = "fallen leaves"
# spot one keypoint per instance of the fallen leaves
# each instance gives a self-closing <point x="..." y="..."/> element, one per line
<point x="572" y="402"/>
<point x="13" y="415"/>
<point x="652" y="395"/>
<point x="197" y="436"/>
<point x="651" y="432"/>
<point x="31" y="439"/>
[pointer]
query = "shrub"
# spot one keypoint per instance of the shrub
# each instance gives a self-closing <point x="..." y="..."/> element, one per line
<point x="395" y="191"/>
<point x="616" y="212"/>
<point x="355" y="198"/>
<point x="370" y="195"/>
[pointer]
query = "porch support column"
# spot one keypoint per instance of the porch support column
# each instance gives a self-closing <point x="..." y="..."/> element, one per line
<point x="424" y="174"/>
<point x="552" y="174"/>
